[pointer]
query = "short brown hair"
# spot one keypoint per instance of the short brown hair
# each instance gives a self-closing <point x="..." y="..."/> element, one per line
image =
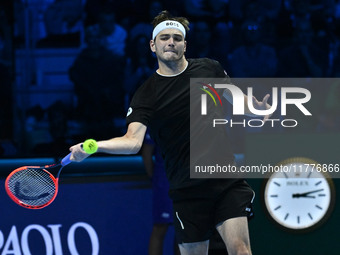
<point x="165" y="15"/>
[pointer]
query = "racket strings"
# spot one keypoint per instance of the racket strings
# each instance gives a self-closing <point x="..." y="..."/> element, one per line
<point x="34" y="187"/>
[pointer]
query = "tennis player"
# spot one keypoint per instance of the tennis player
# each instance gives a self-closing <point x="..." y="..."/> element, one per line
<point x="162" y="105"/>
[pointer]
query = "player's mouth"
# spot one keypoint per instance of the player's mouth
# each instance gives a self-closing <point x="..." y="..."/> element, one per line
<point x="173" y="51"/>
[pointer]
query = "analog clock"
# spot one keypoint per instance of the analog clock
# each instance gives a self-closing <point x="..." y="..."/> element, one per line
<point x="299" y="198"/>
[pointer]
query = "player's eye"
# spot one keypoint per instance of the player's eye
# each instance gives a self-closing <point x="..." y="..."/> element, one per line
<point x="178" y="38"/>
<point x="164" y="37"/>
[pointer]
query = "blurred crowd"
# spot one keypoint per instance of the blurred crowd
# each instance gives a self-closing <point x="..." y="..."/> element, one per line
<point x="250" y="38"/>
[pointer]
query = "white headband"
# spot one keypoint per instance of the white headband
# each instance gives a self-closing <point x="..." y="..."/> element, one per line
<point x="167" y="24"/>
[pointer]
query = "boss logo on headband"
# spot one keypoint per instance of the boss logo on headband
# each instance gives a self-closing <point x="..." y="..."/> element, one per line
<point x="172" y="24"/>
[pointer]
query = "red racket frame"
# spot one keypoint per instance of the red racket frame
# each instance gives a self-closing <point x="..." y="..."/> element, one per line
<point x="18" y="201"/>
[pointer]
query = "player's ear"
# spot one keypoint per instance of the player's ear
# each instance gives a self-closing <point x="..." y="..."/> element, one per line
<point x="185" y="46"/>
<point x="152" y="46"/>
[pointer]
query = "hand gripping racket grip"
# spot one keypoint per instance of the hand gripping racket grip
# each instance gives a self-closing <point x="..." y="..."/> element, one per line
<point x="66" y="160"/>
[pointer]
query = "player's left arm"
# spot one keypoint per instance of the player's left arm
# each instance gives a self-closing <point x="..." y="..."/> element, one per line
<point x="258" y="105"/>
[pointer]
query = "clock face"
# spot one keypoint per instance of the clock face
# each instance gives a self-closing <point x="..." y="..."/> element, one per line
<point x="299" y="199"/>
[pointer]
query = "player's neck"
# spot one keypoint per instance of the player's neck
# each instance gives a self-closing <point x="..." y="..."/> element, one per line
<point x="172" y="68"/>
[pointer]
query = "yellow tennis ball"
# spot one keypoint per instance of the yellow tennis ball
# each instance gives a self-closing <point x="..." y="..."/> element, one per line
<point x="90" y="146"/>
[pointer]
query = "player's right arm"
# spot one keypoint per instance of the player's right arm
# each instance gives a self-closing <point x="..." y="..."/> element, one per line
<point x="130" y="143"/>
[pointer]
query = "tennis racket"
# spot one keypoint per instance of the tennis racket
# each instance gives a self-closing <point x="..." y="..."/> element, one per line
<point x="34" y="187"/>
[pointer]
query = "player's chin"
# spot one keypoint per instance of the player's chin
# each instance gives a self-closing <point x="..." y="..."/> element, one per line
<point x="172" y="57"/>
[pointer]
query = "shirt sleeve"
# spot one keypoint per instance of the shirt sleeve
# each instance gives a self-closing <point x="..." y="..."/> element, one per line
<point x="220" y="71"/>
<point x="142" y="105"/>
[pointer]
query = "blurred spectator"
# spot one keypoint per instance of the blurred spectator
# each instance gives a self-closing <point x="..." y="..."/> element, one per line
<point x="222" y="41"/>
<point x="208" y="10"/>
<point x="128" y="12"/>
<point x="36" y="130"/>
<point x="284" y="26"/>
<point x="261" y="11"/>
<point x="323" y="16"/>
<point x="333" y="47"/>
<point x="333" y="68"/>
<point x="162" y="211"/>
<point x="201" y="36"/>
<point x="131" y="12"/>
<point x="197" y="10"/>
<point x="63" y="24"/>
<point x="6" y="146"/>
<point x="93" y="8"/>
<point x="98" y="78"/>
<point x="240" y="10"/>
<point x="219" y="8"/>
<point x="47" y="130"/>
<point x="57" y="125"/>
<point x="6" y="52"/>
<point x="337" y="16"/>
<point x="253" y="58"/>
<point x="270" y="8"/>
<point x="333" y="57"/>
<point x="146" y="27"/>
<point x="321" y="13"/>
<point x="211" y="41"/>
<point x="316" y="10"/>
<point x="140" y="65"/>
<point x="113" y="35"/>
<point x="176" y="7"/>
<point x="236" y="10"/>
<point x="6" y="114"/>
<point x="19" y="23"/>
<point x="303" y="58"/>
<point x="329" y="119"/>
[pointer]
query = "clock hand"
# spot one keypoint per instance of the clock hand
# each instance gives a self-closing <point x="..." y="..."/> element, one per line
<point x="297" y="195"/>
<point x="308" y="196"/>
<point x="310" y="192"/>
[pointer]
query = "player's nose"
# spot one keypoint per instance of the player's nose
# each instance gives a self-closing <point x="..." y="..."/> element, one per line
<point x="171" y="41"/>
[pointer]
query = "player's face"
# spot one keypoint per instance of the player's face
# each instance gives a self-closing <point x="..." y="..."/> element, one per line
<point x="169" y="45"/>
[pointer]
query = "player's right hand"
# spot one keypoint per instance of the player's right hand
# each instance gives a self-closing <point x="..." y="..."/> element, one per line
<point x="78" y="154"/>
